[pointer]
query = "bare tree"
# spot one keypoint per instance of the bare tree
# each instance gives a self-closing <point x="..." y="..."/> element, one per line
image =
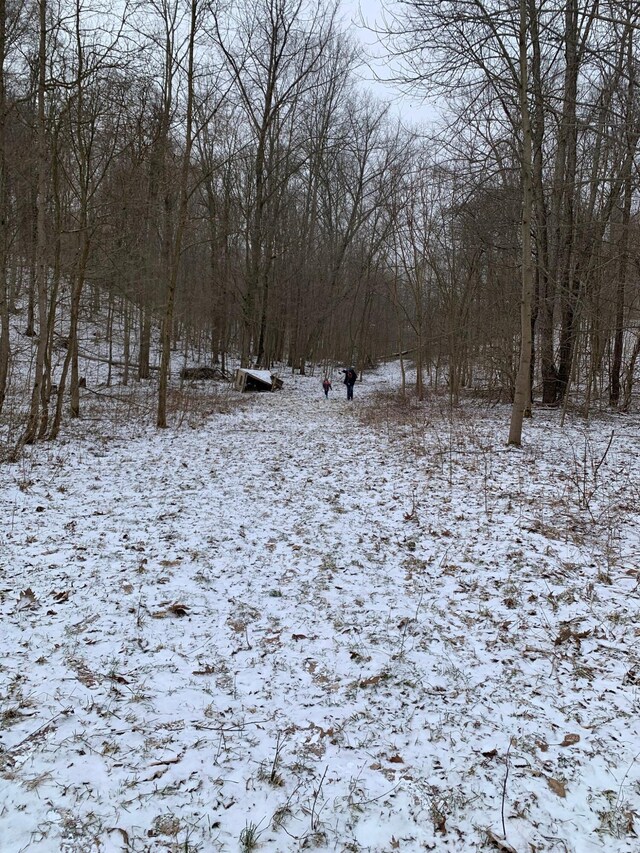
<point x="274" y="51"/>
<point x="522" y="396"/>
<point x="181" y="221"/>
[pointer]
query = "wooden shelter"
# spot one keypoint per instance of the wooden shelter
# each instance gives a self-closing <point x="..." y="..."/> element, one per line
<point x="256" y="380"/>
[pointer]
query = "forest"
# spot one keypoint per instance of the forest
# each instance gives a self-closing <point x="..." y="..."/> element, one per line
<point x="211" y="183"/>
<point x="282" y="622"/>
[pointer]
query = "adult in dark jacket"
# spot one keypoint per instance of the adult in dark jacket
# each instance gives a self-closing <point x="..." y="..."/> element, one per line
<point x="350" y="377"/>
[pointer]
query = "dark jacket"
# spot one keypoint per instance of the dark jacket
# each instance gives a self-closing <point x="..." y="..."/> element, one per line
<point x="350" y="377"/>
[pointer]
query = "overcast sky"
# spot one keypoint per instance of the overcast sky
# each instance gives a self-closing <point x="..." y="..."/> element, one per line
<point x="354" y="12"/>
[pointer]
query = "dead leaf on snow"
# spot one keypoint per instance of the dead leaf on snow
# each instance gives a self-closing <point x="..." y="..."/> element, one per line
<point x="119" y="679"/>
<point x="27" y="600"/>
<point x="83" y="673"/>
<point x="557" y="787"/>
<point x="179" y="609"/>
<point x="123" y="833"/>
<point x="165" y="825"/>
<point x="373" y="680"/>
<point x="396" y="759"/>
<point x="499" y="843"/>
<point x="208" y="669"/>
<point x="567" y="633"/>
<point x="570" y="739"/>
<point x="82" y="626"/>
<point x="154" y="773"/>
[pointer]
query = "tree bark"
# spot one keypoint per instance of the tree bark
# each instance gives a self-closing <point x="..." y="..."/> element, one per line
<point x="176" y="248"/>
<point x="522" y="400"/>
<point x="31" y="429"/>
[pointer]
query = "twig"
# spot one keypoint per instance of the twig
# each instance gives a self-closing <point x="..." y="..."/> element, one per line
<point x="42" y="728"/>
<point x="276" y="758"/>
<point x="504" y="789"/>
<point x="633" y="761"/>
<point x="360" y="803"/>
<point x="604" y="455"/>
<point x="316" y="794"/>
<point x="239" y="728"/>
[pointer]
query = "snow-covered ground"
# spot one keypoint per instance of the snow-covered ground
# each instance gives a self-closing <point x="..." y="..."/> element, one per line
<point x="304" y="623"/>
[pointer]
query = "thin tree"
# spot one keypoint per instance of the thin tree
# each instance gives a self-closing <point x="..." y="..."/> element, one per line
<point x="522" y="396"/>
<point x="177" y="241"/>
<point x="38" y="401"/>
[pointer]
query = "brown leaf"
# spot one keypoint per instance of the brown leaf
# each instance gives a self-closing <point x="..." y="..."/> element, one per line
<point x="490" y="753"/>
<point x="395" y="759"/>
<point x="298" y="636"/>
<point x="557" y="787"/>
<point x="179" y="609"/>
<point x="61" y="596"/>
<point x="208" y="669"/>
<point x="499" y="843"/>
<point x="123" y="833"/>
<point x="27" y="599"/>
<point x="373" y="680"/>
<point x="570" y="739"/>
<point x="395" y="844"/>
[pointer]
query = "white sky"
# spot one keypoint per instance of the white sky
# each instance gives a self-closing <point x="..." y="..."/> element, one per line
<point x="363" y="16"/>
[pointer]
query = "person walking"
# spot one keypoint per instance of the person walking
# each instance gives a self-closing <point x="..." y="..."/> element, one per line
<point x="326" y="386"/>
<point x="350" y="377"/>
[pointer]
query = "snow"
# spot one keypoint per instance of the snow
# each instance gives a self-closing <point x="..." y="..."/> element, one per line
<point x="396" y="634"/>
<point x="262" y="375"/>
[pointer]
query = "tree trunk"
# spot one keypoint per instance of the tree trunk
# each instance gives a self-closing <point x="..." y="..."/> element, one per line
<point x="521" y="400"/>
<point x="126" y="309"/>
<point x="4" y="283"/>
<point x="623" y="265"/>
<point x="145" y="342"/>
<point x="31" y="430"/>
<point x="176" y="248"/>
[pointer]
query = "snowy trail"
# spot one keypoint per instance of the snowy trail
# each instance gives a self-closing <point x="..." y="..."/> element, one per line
<point x="285" y="623"/>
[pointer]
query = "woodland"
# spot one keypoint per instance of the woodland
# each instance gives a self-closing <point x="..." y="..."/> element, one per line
<point x="210" y="183"/>
<point x="280" y="621"/>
